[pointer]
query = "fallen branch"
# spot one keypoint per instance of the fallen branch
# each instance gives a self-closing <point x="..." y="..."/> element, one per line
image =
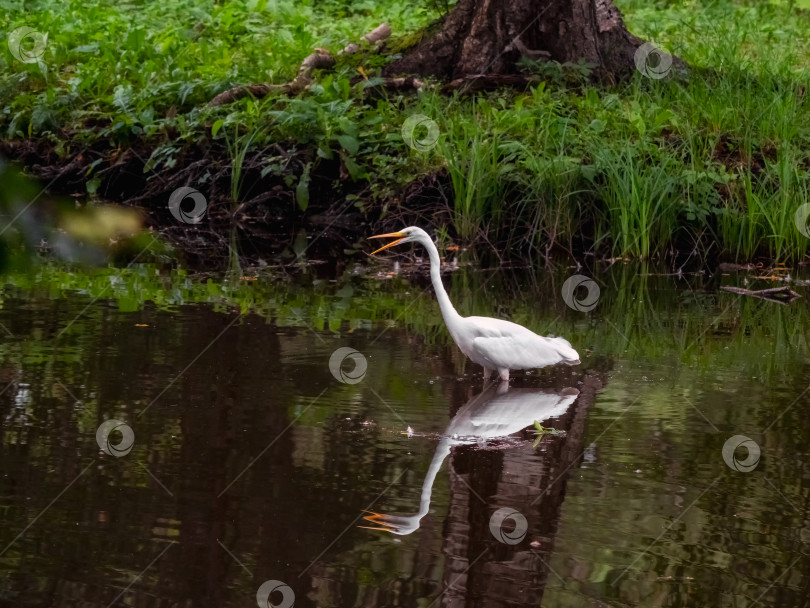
<point x="319" y="60"/>
<point x="780" y="295"/>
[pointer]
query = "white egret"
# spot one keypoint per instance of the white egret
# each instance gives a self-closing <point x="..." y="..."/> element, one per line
<point x="495" y="344"/>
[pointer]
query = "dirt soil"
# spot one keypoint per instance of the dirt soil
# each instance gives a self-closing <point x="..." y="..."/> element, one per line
<point x="266" y="226"/>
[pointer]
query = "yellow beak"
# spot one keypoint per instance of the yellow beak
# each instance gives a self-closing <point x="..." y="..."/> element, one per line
<point x="389" y="235"/>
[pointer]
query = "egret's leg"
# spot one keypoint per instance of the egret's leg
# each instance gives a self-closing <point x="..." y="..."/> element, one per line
<point x="487" y="374"/>
<point x="504" y="373"/>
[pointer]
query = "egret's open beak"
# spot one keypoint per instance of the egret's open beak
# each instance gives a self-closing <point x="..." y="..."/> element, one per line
<point x="389" y="235"/>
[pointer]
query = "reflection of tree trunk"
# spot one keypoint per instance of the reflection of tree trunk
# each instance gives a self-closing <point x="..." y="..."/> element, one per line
<point x="226" y="424"/>
<point x="207" y="440"/>
<point x="481" y="570"/>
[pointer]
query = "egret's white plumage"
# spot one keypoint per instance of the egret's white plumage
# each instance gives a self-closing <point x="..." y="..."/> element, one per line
<point x="495" y="344"/>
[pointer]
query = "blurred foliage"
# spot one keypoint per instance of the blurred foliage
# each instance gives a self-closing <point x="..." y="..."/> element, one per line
<point x="36" y="226"/>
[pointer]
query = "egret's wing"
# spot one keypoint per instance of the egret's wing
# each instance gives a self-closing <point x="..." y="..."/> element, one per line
<point x="524" y="350"/>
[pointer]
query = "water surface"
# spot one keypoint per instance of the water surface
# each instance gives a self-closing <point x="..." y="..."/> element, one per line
<point x="253" y="461"/>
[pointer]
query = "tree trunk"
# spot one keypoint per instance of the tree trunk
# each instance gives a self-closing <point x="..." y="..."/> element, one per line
<point x="490" y="36"/>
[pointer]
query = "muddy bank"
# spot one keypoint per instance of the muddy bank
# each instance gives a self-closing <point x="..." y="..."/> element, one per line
<point x="265" y="226"/>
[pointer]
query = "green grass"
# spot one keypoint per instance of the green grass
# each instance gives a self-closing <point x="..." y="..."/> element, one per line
<point x="715" y="163"/>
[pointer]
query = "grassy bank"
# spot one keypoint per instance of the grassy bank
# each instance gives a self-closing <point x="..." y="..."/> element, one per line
<point x="713" y="164"/>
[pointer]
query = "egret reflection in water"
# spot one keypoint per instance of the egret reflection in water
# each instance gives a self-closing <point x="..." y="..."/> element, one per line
<point x="495" y="413"/>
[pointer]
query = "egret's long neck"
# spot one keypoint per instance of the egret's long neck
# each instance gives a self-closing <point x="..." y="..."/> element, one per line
<point x="448" y="312"/>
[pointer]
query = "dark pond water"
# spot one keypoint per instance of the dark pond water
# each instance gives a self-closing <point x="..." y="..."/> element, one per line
<point x="238" y="455"/>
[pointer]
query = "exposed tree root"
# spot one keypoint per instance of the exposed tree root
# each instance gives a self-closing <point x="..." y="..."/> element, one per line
<point x="319" y="60"/>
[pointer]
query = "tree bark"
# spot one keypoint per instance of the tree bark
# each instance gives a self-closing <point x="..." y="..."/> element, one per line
<point x="490" y="36"/>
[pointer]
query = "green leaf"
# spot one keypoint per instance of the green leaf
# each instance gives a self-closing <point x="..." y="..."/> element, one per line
<point x="349" y="143"/>
<point x="136" y="39"/>
<point x="122" y="97"/>
<point x="372" y="82"/>
<point x="302" y="189"/>
<point x="92" y="185"/>
<point x="355" y="171"/>
<point x="589" y="172"/>
<point x="597" y="126"/>
<point x="216" y="127"/>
